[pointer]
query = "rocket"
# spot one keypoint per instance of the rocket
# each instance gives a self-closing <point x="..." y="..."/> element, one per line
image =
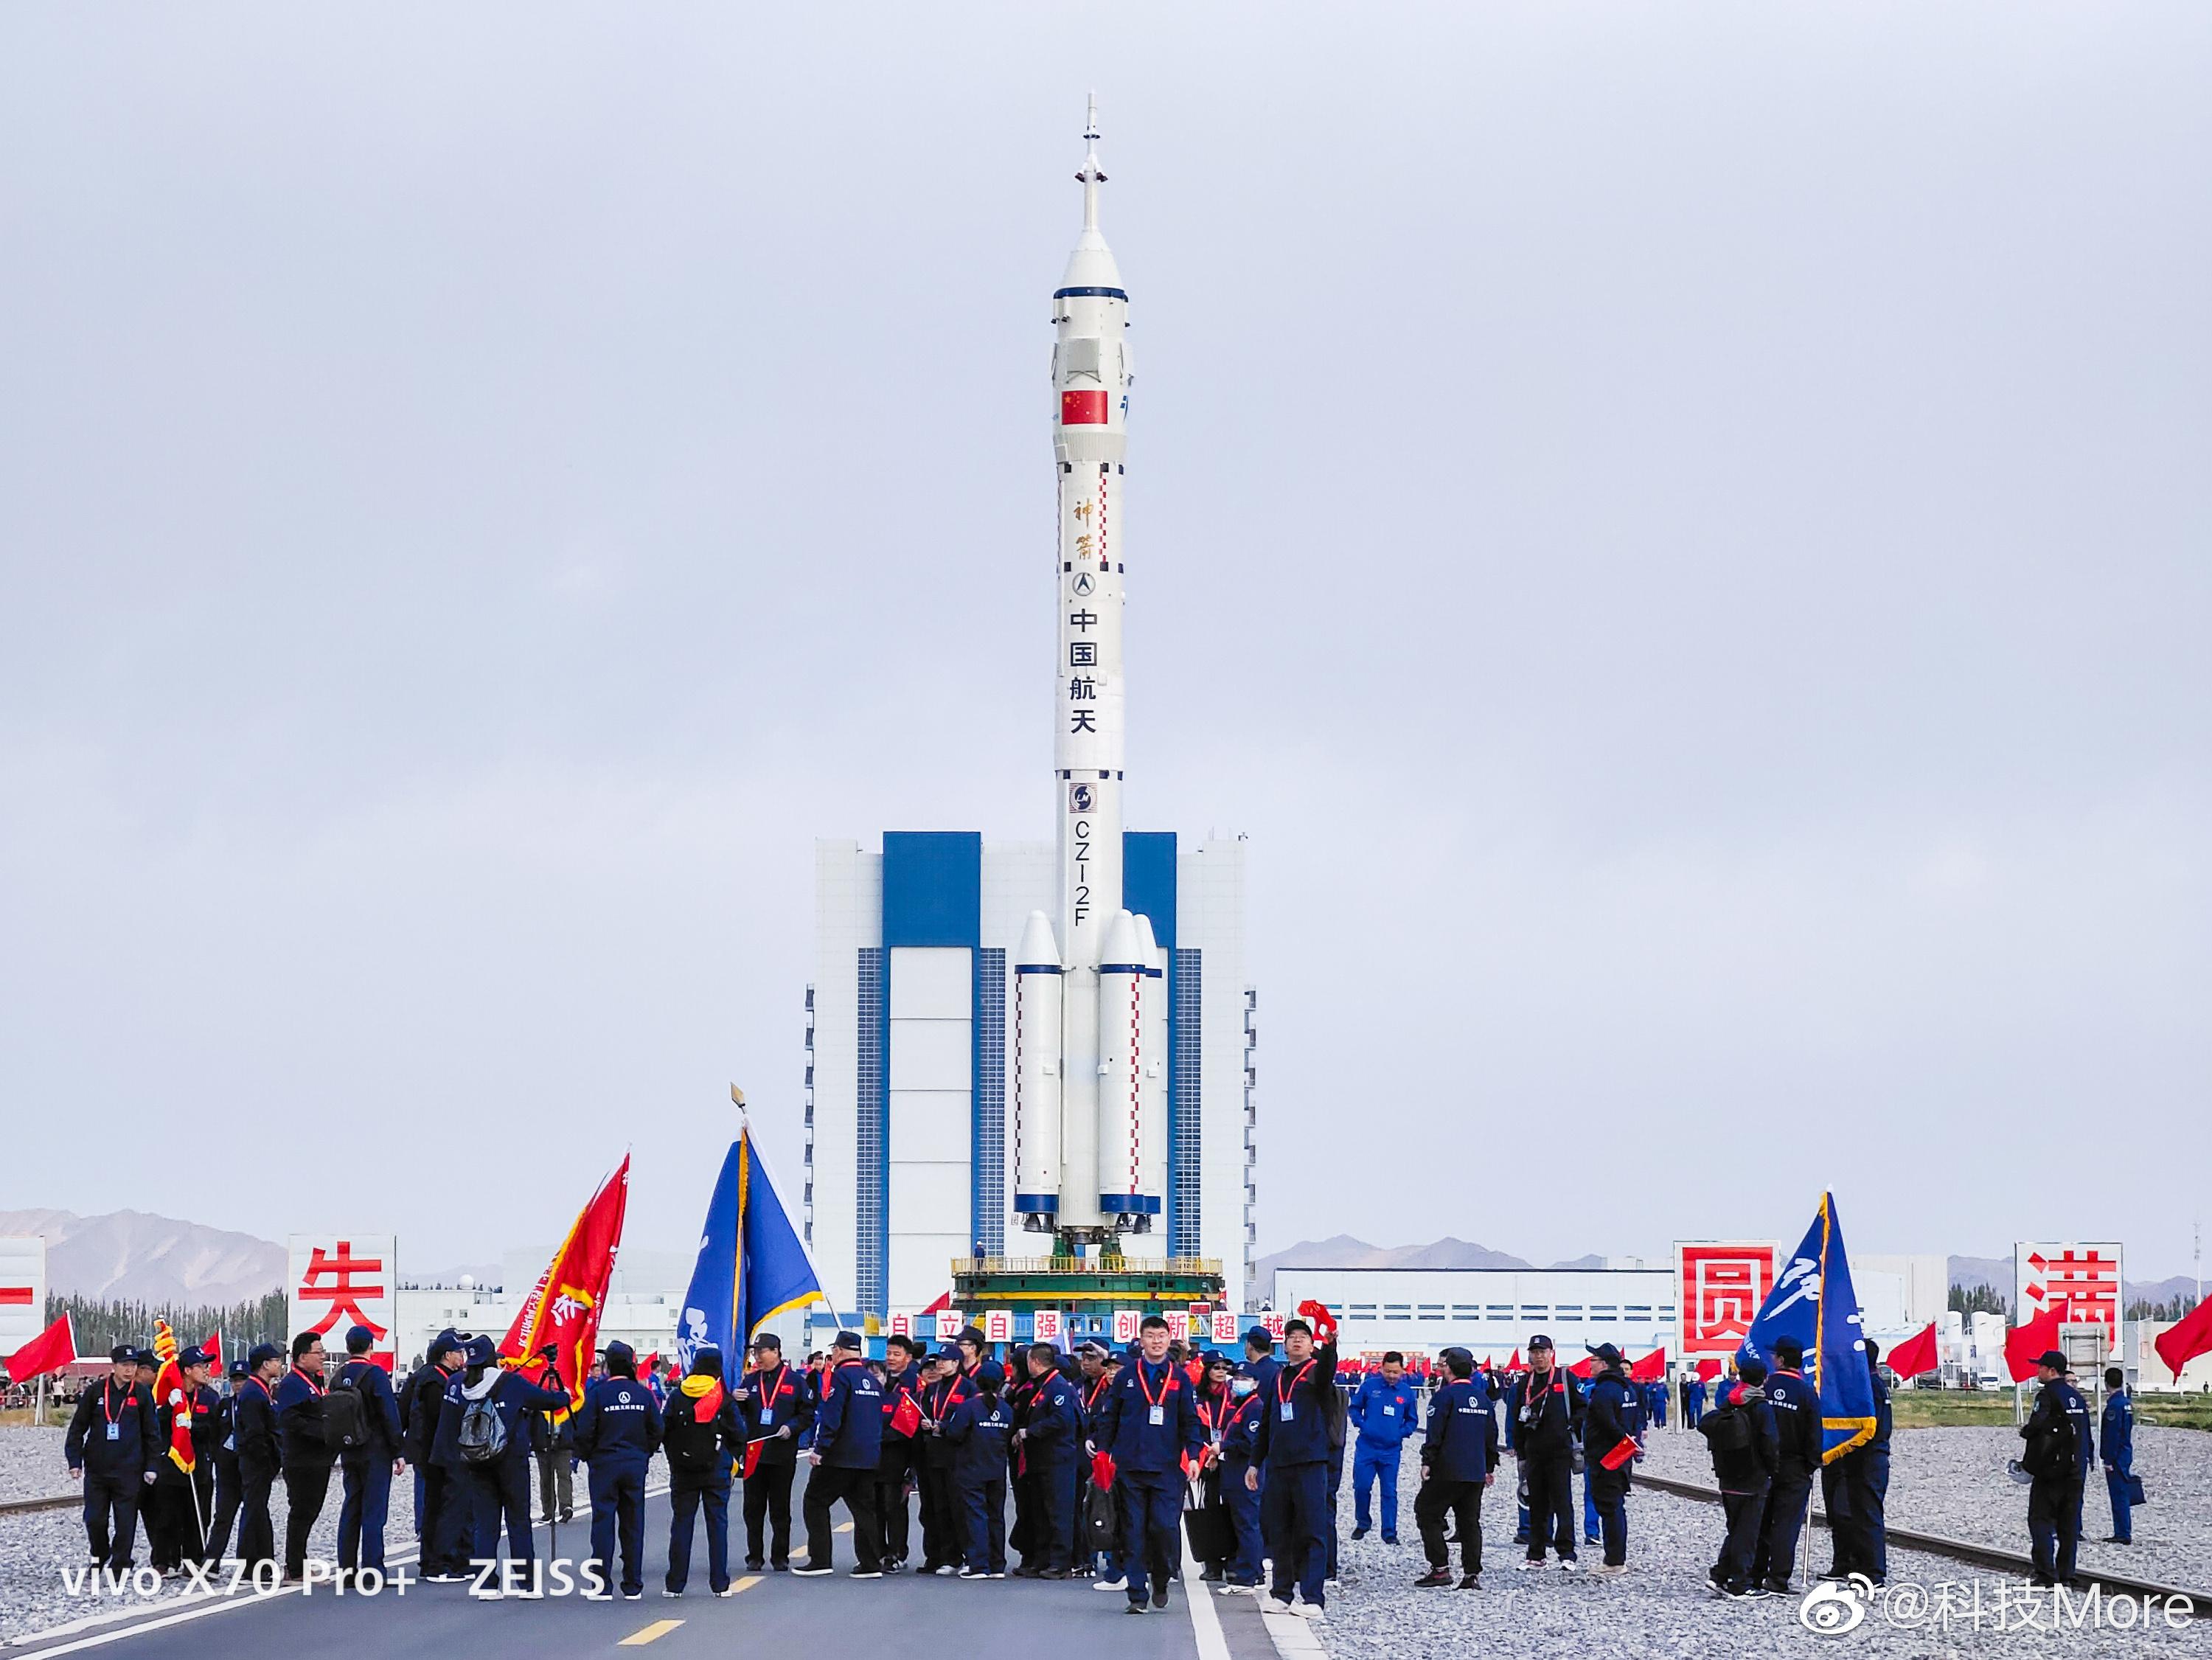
<point x="1091" y="995"/>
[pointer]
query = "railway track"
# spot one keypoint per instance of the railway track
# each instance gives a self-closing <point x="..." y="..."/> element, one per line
<point x="1965" y="1550"/>
<point x="24" y="1506"/>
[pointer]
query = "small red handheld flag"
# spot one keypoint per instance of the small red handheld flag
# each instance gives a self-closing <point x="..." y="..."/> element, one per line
<point x="50" y="1351"/>
<point x="905" y="1417"/>
<point x="1619" y="1453"/>
<point x="2024" y="1344"/>
<point x="1915" y="1354"/>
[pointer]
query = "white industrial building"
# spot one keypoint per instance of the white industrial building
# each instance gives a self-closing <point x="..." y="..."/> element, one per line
<point x="909" y="1129"/>
<point x="1490" y="1312"/>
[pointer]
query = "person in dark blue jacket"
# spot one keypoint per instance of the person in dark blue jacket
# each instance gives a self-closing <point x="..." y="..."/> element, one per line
<point x="1611" y="1415"/>
<point x="848" y="1430"/>
<point x="1047" y="1444"/>
<point x="483" y="1435"/>
<point x="1148" y="1424"/>
<point x="260" y="1456"/>
<point x="308" y="1455"/>
<point x="1693" y="1401"/>
<point x="1459" y="1459"/>
<point x="2060" y="1452"/>
<point x="110" y="1447"/>
<point x="896" y="1454"/>
<point x="1385" y="1409"/>
<point x="1797" y="1426"/>
<point x="1857" y="1526"/>
<point x="1239" y="1448"/>
<point x="229" y="1487"/>
<point x="1290" y="1472"/>
<point x="2117" y="1435"/>
<point x="368" y="1473"/>
<point x="1544" y="1420"/>
<point x="441" y="1525"/>
<point x="981" y="1430"/>
<point x="618" y="1431"/>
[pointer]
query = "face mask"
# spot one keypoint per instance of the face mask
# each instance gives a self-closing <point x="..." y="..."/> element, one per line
<point x="1244" y="1386"/>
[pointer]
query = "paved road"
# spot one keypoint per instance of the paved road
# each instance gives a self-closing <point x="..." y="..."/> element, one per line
<point x="776" y="1608"/>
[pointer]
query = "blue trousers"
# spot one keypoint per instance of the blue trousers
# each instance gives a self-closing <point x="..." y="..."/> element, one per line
<point x="984" y="1523"/>
<point x="1151" y="1527"/>
<point x="1608" y="1490"/>
<point x="493" y="1493"/>
<point x="111" y="1498"/>
<point x="1052" y="1487"/>
<point x="685" y="1495"/>
<point x="1367" y="1463"/>
<point x="363" y="1511"/>
<point x="2116" y="1486"/>
<point x="618" y="1506"/>
<point x="449" y="1513"/>
<point x="1246" y="1566"/>
<point x="1785" y="1520"/>
<point x="1294" y="1511"/>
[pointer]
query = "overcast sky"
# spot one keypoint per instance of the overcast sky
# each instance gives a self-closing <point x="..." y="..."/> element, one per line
<point x="1683" y="534"/>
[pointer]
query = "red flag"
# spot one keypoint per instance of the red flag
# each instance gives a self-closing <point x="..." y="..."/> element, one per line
<point x="752" y="1457"/>
<point x="1651" y="1368"/>
<point x="1585" y="1369"/>
<point x="1619" y="1453"/>
<point x="50" y="1351"/>
<point x="905" y="1417"/>
<point x="651" y="1369"/>
<point x="211" y="1347"/>
<point x="1318" y="1316"/>
<point x="562" y="1312"/>
<point x="2189" y="1336"/>
<point x="943" y="1301"/>
<point x="2024" y="1344"/>
<point x="1915" y="1354"/>
<point x="1514" y="1364"/>
<point x="1708" y="1369"/>
<point x="1102" y="1471"/>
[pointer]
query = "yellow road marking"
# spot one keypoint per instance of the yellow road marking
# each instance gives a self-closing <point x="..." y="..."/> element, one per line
<point x="652" y="1633"/>
<point x="747" y="1583"/>
<point x="844" y="1527"/>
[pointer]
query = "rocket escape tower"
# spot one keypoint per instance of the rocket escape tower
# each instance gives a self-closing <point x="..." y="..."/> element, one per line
<point x="1089" y="1062"/>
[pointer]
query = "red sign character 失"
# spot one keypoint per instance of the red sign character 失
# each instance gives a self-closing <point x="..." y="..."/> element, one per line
<point x="342" y="1294"/>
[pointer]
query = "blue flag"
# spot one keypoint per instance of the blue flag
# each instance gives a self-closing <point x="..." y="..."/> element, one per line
<point x="1813" y="1301"/>
<point x="752" y="1265"/>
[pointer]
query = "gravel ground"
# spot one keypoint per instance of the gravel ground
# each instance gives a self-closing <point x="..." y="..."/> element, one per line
<point x="1953" y="1481"/>
<point x="33" y="1548"/>
<point x="1663" y="1608"/>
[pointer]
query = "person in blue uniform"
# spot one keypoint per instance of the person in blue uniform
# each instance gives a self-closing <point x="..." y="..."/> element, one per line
<point x="1095" y="1370"/>
<point x="1741" y="1436"/>
<point x="776" y="1404"/>
<point x="1612" y="1414"/>
<point x="704" y="1438"/>
<point x="308" y="1455"/>
<point x="1239" y="1448"/>
<point x="229" y="1487"/>
<point x="2117" y="1436"/>
<point x="943" y="1388"/>
<point x="1797" y="1429"/>
<point x="483" y="1435"/>
<point x="617" y="1431"/>
<point x="981" y="1432"/>
<point x="897" y="1453"/>
<point x="367" y="1500"/>
<point x="1148" y="1424"/>
<point x="183" y="1501"/>
<point x="1858" y="1527"/>
<point x="848" y="1430"/>
<point x="110" y="1447"/>
<point x="260" y="1456"/>
<point x="1291" y="1471"/>
<point x="440" y="1520"/>
<point x="2060" y="1450"/>
<point x="1459" y="1459"/>
<point x="1047" y="1444"/>
<point x="1385" y="1409"/>
<point x="1693" y="1401"/>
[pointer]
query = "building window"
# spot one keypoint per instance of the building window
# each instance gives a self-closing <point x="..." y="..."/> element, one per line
<point x="990" y="1169"/>
<point x="1397" y="1313"/>
<point x="873" y="1147"/>
<point x="1432" y="1310"/>
<point x="1185" y="1119"/>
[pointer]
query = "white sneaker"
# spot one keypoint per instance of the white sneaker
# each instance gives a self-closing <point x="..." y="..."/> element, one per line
<point x="1608" y="1570"/>
<point x="487" y="1594"/>
<point x="944" y="1570"/>
<point x="528" y="1594"/>
<point x="1311" y="1614"/>
<point x="1568" y="1564"/>
<point x="1234" y="1590"/>
<point x="726" y="1590"/>
<point x="1108" y="1585"/>
<point x="812" y="1573"/>
<point x="1271" y="1604"/>
<point x="664" y="1591"/>
<point x="1527" y="1565"/>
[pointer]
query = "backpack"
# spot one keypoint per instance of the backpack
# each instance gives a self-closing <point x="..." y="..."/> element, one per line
<point x="2051" y="1449"/>
<point x="483" y="1433"/>
<point x="345" y="1416"/>
<point x="1726" y="1429"/>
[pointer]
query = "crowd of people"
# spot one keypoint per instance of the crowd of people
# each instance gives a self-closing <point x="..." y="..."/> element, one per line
<point x="1108" y="1458"/>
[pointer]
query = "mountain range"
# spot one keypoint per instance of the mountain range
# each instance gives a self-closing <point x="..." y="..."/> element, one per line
<point x="129" y="1255"/>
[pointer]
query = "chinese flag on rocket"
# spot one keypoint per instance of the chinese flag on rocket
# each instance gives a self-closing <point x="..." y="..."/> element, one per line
<point x="563" y="1314"/>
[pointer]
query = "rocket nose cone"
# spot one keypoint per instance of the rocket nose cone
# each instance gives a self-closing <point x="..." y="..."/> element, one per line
<point x="1037" y="949"/>
<point x="1147" y="943"/>
<point x="1121" y="942"/>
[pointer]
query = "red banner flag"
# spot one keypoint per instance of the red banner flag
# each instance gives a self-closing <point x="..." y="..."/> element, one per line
<point x="1651" y="1368"/>
<point x="1708" y="1369"/>
<point x="50" y="1351"/>
<point x="2025" y="1344"/>
<point x="211" y="1347"/>
<point x="563" y="1313"/>
<point x="1514" y="1364"/>
<point x="1914" y="1355"/>
<point x="2191" y="1336"/>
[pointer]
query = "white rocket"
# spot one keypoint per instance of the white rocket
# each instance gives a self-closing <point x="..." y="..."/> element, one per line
<point x="1091" y="1007"/>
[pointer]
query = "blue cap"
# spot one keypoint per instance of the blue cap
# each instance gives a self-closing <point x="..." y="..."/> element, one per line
<point x="1260" y="1337"/>
<point x="990" y="1374"/>
<point x="261" y="1354"/>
